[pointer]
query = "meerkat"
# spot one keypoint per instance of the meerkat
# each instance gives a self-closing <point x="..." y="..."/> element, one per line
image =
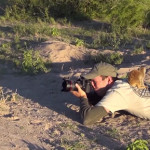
<point x="136" y="78"/>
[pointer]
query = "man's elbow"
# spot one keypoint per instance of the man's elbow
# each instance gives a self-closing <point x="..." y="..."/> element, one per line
<point x="87" y="122"/>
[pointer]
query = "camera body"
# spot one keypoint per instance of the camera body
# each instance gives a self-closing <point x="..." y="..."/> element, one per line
<point x="69" y="85"/>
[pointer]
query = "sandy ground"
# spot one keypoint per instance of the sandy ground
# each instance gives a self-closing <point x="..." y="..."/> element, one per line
<point x="36" y="115"/>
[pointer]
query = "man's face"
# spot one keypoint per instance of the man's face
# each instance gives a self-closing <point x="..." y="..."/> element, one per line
<point x="98" y="83"/>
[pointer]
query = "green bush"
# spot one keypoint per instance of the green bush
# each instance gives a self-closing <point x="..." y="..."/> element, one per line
<point x="27" y="9"/>
<point x="125" y="14"/>
<point x="58" y="8"/>
<point x="79" y="42"/>
<point x="122" y="14"/>
<point x="138" y="145"/>
<point x="3" y="4"/>
<point x="148" y="44"/>
<point x="138" y="50"/>
<point x="32" y="62"/>
<point x="113" y="58"/>
<point x="35" y="29"/>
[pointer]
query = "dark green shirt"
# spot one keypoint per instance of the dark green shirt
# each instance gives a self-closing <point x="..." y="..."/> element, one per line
<point x="89" y="112"/>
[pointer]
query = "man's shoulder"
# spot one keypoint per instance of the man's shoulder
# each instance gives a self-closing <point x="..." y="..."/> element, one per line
<point x="122" y="83"/>
<point x="120" y="87"/>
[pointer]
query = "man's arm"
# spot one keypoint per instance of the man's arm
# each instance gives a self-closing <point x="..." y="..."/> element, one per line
<point x="91" y="114"/>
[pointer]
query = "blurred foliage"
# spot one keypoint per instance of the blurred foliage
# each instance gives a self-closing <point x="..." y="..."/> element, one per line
<point x="126" y="14"/>
<point x="138" y="145"/>
<point x="113" y="24"/>
<point x="122" y="14"/>
<point x="32" y="62"/>
<point x="112" y="58"/>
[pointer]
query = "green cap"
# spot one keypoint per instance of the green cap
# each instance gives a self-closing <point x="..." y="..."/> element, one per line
<point x="103" y="69"/>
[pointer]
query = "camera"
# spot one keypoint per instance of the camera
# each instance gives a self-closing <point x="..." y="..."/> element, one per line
<point x="69" y="85"/>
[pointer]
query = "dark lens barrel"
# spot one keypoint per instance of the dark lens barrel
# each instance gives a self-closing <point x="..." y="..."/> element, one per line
<point x="68" y="85"/>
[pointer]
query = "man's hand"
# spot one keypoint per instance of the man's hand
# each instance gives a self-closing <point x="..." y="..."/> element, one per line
<point x="80" y="93"/>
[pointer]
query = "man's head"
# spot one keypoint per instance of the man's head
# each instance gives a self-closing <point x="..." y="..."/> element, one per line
<point x="101" y="69"/>
<point x="102" y="75"/>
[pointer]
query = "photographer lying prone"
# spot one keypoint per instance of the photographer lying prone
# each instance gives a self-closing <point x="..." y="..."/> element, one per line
<point x="110" y="94"/>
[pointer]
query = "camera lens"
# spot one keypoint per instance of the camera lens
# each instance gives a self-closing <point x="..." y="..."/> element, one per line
<point x="68" y="85"/>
